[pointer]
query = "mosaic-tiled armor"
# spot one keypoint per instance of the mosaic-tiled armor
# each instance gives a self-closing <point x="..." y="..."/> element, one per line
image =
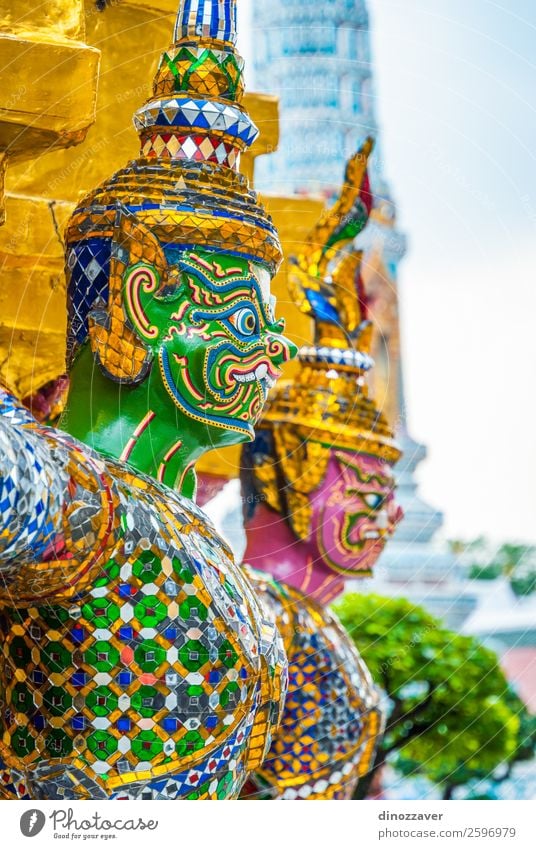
<point x="319" y="506"/>
<point x="332" y="718"/>
<point x="135" y="660"/>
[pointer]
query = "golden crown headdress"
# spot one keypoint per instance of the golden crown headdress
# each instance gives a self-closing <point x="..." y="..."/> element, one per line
<point x="184" y="189"/>
<point x="326" y="404"/>
<point x="327" y="401"/>
<point x="186" y="186"/>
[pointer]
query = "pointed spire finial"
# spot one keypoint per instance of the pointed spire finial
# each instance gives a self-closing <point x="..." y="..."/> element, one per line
<point x="215" y="19"/>
<point x="196" y="111"/>
<point x="325" y="279"/>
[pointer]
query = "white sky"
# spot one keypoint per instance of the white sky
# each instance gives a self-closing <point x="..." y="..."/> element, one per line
<point x="456" y="83"/>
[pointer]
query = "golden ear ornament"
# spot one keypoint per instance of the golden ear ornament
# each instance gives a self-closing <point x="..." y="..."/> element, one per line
<point x="117" y="330"/>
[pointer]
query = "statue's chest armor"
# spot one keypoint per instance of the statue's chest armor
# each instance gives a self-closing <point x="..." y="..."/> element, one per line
<point x="158" y="662"/>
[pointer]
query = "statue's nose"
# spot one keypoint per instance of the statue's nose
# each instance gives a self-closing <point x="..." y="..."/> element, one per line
<point x="382" y="522"/>
<point x="396" y="514"/>
<point x="280" y="348"/>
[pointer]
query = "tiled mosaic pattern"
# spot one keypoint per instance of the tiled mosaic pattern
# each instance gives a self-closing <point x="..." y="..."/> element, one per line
<point x="30" y="505"/>
<point x="332" y="720"/>
<point x="208" y="19"/>
<point x="135" y="660"/>
<point x="203" y="66"/>
<point x="204" y="69"/>
<point x="187" y="115"/>
<point x="198" y="148"/>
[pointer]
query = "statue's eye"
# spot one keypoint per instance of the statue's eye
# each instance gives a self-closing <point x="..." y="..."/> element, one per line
<point x="244" y="321"/>
<point x="374" y="500"/>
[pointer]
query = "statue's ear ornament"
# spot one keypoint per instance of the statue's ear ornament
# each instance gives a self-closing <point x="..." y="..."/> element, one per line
<point x="120" y="331"/>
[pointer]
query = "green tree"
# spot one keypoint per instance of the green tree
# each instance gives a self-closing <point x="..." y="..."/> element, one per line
<point x="513" y="560"/>
<point x="524" y="583"/>
<point x="449" y="716"/>
<point x="469" y="774"/>
<point x="485" y="571"/>
<point x="511" y="556"/>
<point x="463" y="546"/>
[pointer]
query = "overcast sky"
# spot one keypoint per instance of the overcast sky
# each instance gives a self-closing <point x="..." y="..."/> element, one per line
<point x="455" y="86"/>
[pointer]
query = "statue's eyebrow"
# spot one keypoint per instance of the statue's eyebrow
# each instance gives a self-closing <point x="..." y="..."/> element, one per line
<point x="346" y="463"/>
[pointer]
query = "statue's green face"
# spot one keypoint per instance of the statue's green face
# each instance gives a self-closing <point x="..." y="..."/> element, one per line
<point x="213" y="335"/>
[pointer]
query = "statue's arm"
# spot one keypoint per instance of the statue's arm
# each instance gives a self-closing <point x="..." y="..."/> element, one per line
<point x="33" y="484"/>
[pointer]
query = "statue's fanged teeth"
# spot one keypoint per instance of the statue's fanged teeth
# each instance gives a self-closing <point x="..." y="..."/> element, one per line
<point x="260" y="373"/>
<point x="248" y="377"/>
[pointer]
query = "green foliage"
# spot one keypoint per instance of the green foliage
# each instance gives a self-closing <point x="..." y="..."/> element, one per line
<point x="451" y="718"/>
<point x="511" y="556"/>
<point x="526" y="738"/>
<point x="523" y="584"/>
<point x="513" y="560"/>
<point x="524" y="749"/>
<point x="518" y="563"/>
<point x="461" y="546"/>
<point x="486" y="572"/>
